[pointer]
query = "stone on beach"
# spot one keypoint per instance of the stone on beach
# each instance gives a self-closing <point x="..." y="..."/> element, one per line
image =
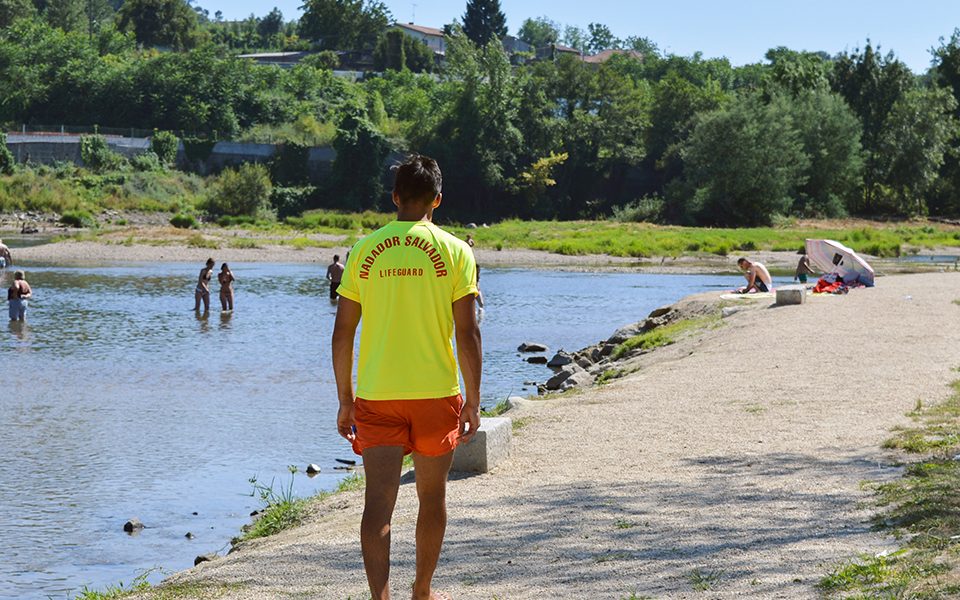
<point x="791" y="294"/>
<point x="313" y="469"/>
<point x="537" y="360"/>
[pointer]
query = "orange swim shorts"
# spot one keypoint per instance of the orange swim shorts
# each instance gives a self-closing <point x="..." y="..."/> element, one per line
<point x="428" y="427"/>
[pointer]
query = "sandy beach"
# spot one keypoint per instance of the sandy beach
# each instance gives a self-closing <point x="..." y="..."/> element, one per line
<point x="735" y="455"/>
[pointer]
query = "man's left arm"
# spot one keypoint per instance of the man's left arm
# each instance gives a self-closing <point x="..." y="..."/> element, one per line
<point x="470" y="356"/>
<point x="344" y="333"/>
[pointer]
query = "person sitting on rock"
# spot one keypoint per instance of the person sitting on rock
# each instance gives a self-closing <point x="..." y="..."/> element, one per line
<point x="758" y="277"/>
<point x="5" y="259"/>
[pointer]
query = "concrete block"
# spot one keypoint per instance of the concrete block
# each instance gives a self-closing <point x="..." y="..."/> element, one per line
<point x="490" y="446"/>
<point x="791" y="294"/>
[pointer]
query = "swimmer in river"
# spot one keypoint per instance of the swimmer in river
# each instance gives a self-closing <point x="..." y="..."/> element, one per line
<point x="202" y="293"/>
<point x="226" y="279"/>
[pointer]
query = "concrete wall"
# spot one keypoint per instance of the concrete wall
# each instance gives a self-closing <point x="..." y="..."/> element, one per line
<point x="50" y="149"/>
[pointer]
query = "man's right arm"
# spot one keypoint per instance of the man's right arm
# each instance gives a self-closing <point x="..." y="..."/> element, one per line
<point x="344" y="333"/>
<point x="470" y="356"/>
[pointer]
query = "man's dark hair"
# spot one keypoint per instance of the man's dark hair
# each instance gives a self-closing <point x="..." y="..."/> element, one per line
<point x="336" y="257"/>
<point x="418" y="179"/>
<point x="741" y="261"/>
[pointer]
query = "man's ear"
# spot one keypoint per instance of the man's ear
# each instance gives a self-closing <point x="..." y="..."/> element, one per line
<point x="438" y="200"/>
<point x="396" y="199"/>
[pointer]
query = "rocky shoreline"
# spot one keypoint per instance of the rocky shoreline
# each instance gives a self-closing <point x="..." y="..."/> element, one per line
<point x="586" y="366"/>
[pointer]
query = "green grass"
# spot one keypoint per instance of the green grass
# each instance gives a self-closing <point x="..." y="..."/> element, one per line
<point x="609" y="375"/>
<point x="662" y="336"/>
<point x="703" y="580"/>
<point x="198" y="241"/>
<point x="642" y="240"/>
<point x="173" y="591"/>
<point x="497" y="410"/>
<point x="244" y="244"/>
<point x="922" y="509"/>
<point x="518" y="424"/>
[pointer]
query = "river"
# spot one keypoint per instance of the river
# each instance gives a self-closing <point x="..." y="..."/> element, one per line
<point x="119" y="402"/>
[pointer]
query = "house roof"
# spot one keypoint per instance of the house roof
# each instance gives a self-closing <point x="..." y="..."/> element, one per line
<point x="422" y="29"/>
<point x="562" y="48"/>
<point x="606" y="55"/>
<point x="269" y="55"/>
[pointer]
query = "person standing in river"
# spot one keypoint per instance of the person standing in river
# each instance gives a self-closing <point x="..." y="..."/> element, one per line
<point x="226" y="279"/>
<point x="334" y="276"/>
<point x="5" y="258"/>
<point x="17" y="296"/>
<point x="202" y="293"/>
<point x="415" y="287"/>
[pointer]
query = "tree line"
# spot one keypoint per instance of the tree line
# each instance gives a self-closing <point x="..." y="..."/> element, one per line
<point x="649" y="136"/>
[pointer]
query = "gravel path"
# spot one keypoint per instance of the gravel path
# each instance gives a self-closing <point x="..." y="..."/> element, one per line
<point x="731" y="459"/>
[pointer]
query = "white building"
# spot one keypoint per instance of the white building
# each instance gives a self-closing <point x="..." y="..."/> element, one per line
<point x="431" y="36"/>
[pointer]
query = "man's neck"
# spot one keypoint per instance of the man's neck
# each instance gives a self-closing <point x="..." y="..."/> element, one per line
<point x="415" y="213"/>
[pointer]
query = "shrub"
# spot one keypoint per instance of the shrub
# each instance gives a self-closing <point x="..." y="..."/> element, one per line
<point x="164" y="144"/>
<point x="97" y="156"/>
<point x="290" y="201"/>
<point x="325" y="60"/>
<point x="78" y="218"/>
<point x="645" y="210"/>
<point x="243" y="191"/>
<point x="148" y="161"/>
<point x="183" y="221"/>
<point x="6" y="157"/>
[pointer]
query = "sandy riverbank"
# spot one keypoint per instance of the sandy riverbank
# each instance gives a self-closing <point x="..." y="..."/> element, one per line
<point x="737" y="452"/>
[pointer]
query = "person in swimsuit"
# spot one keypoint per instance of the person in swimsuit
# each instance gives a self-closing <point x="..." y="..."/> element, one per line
<point x="203" y="287"/>
<point x="803" y="268"/>
<point x="335" y="275"/>
<point x="226" y="279"/>
<point x="17" y="296"/>
<point x="5" y="259"/>
<point x="758" y="277"/>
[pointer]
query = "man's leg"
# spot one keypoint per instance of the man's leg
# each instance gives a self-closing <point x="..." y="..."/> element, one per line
<point x="431" y="472"/>
<point x="382" y="468"/>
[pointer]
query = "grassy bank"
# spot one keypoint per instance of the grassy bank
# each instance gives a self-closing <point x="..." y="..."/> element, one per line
<point x="644" y="240"/>
<point x="572" y="238"/>
<point x="921" y="509"/>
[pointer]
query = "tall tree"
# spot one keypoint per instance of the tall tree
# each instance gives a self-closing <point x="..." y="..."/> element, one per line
<point x="484" y="20"/>
<point x="68" y="15"/>
<point x="271" y="24"/>
<point x="871" y="83"/>
<point x="159" y="22"/>
<point x="742" y="163"/>
<point x="945" y="198"/>
<point x="601" y="38"/>
<point x="344" y="24"/>
<point x="539" y="32"/>
<point x="11" y="10"/>
<point x="917" y="135"/>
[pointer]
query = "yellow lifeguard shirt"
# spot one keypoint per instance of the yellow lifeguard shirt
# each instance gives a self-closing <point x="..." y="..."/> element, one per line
<point x="406" y="276"/>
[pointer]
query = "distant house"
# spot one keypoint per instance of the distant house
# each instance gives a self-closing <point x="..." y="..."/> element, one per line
<point x="430" y="36"/>
<point x="512" y="45"/>
<point x="280" y="59"/>
<point x="555" y="51"/>
<point x="602" y="57"/>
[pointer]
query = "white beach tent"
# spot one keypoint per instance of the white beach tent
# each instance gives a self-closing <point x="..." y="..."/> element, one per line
<point x="833" y="257"/>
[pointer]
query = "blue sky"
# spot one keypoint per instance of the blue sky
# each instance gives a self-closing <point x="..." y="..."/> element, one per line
<point x="741" y="30"/>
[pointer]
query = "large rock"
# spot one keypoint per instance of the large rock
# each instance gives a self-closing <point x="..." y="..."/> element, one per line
<point x="555" y="382"/>
<point x="490" y="446"/>
<point x="560" y="359"/>
<point x="625" y="333"/>
<point x="791" y="294"/>
<point x="659" y="312"/>
<point x="578" y="379"/>
<point x="531" y="347"/>
<point x="205" y="558"/>
<point x="537" y="360"/>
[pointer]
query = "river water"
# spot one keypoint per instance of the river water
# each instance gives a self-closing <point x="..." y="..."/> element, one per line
<point x="117" y="401"/>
